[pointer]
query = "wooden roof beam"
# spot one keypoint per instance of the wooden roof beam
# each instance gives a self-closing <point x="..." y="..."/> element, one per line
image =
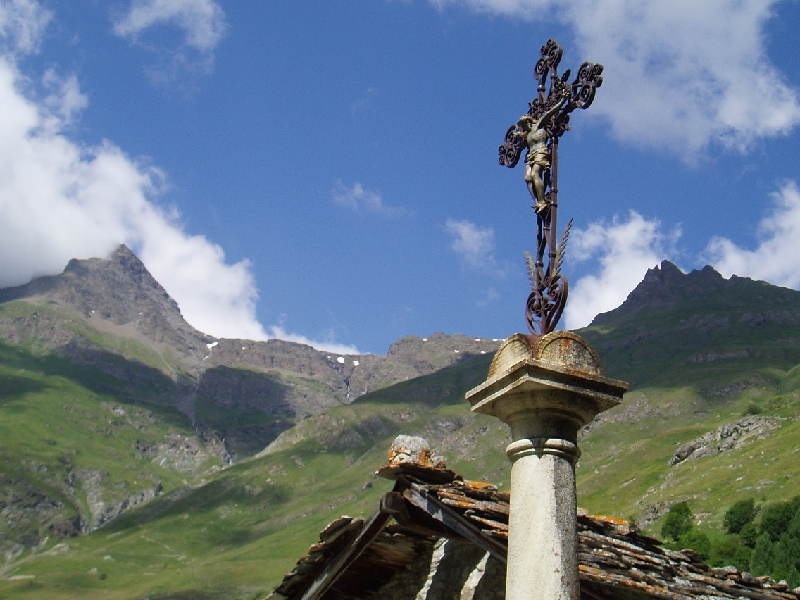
<point x="339" y="563"/>
<point x="418" y="496"/>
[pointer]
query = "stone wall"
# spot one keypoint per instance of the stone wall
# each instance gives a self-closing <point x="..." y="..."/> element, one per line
<point x="450" y="570"/>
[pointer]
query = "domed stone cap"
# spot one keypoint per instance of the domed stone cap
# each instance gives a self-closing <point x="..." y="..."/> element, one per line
<point x="562" y="349"/>
<point x="569" y="351"/>
<point x="513" y="350"/>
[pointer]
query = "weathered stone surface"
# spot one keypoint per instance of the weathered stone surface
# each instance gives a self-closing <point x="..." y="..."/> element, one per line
<point x="451" y="564"/>
<point x="569" y="351"/>
<point x="410" y="582"/>
<point x="515" y="349"/>
<point x="542" y="563"/>
<point x="522" y="391"/>
<point x="102" y="509"/>
<point x="410" y="448"/>
<point x="726" y="437"/>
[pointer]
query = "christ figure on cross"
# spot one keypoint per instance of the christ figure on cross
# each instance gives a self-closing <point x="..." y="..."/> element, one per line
<point x="537" y="161"/>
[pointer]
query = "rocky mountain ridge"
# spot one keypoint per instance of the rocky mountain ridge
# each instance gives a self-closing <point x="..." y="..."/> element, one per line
<point x="111" y="363"/>
<point x="702" y="318"/>
<point x="666" y="285"/>
<point x="116" y="296"/>
<point x="98" y="309"/>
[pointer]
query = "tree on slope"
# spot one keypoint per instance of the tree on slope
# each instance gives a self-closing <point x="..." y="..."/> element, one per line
<point x="678" y="521"/>
<point x="739" y="515"/>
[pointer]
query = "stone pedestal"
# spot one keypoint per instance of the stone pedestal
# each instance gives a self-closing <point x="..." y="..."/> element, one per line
<point x="545" y="392"/>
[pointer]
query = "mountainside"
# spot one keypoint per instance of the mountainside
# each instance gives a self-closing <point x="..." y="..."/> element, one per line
<point x="117" y="296"/>
<point x="671" y="320"/>
<point x="98" y="312"/>
<point x="109" y="397"/>
<point x="711" y="417"/>
<point x="714" y="366"/>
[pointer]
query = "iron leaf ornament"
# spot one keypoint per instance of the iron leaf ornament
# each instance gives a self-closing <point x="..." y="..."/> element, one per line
<point x="537" y="132"/>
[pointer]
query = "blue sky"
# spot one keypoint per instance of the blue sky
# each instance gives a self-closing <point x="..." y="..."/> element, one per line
<point x="327" y="171"/>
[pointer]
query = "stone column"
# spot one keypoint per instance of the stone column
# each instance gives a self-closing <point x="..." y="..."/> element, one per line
<point x="545" y="392"/>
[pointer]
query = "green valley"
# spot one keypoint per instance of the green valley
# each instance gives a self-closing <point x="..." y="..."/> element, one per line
<point x="135" y="466"/>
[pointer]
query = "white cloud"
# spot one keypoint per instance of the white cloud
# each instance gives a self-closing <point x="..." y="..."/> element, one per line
<point x="276" y="331"/>
<point x="525" y="9"/>
<point x="59" y="200"/>
<point x="489" y="296"/>
<point x="475" y="246"/>
<point x="679" y="74"/>
<point x="65" y="98"/>
<point x="203" y="24"/>
<point x="22" y="25"/>
<point x="777" y="257"/>
<point x="624" y="250"/>
<point x="358" y="199"/>
<point x="202" y="21"/>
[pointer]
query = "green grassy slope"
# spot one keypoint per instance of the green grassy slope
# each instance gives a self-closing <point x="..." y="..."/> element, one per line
<point x="44" y="326"/>
<point x="237" y="534"/>
<point x="695" y="363"/>
<point x="74" y="441"/>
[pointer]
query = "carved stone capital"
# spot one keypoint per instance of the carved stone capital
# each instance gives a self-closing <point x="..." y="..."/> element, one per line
<point x="541" y="446"/>
<point x="547" y="388"/>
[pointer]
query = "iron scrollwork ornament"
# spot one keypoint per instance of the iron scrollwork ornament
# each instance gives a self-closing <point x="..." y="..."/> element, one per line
<point x="538" y="132"/>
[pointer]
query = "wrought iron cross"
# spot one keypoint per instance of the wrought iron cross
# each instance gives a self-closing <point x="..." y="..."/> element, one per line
<point x="538" y="130"/>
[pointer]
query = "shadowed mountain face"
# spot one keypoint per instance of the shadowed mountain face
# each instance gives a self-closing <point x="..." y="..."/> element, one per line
<point x="99" y="309"/>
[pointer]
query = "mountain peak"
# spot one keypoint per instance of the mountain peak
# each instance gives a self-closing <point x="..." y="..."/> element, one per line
<point x="118" y="290"/>
<point x="667" y="284"/>
<point x="126" y="267"/>
<point x="124" y="257"/>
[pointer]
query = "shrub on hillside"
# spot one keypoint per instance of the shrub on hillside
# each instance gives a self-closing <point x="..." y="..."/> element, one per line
<point x="769" y="547"/>
<point x="752" y="409"/>
<point x="730" y="551"/>
<point x="748" y="535"/>
<point x="678" y="521"/>
<point x="739" y="515"/>
<point x="779" y="558"/>
<point x="697" y="541"/>
<point x="777" y="516"/>
<point x="761" y="558"/>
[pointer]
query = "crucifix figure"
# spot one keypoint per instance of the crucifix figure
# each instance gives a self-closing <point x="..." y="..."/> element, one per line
<point x="538" y="132"/>
<point x="537" y="160"/>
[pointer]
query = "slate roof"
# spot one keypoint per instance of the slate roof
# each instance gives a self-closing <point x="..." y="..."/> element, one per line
<point x="355" y="558"/>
